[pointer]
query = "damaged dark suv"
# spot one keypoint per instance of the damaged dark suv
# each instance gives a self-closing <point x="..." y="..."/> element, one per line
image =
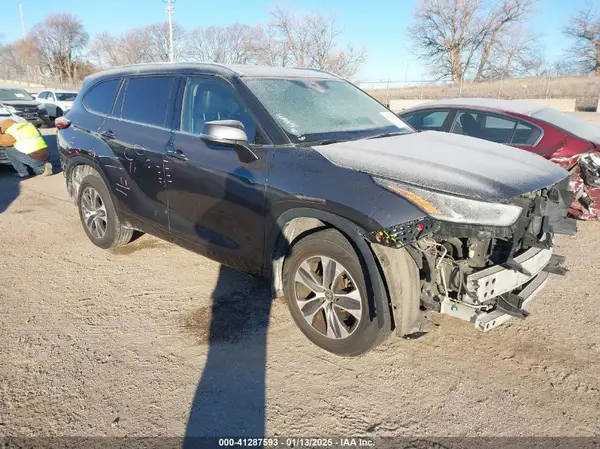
<point x="296" y="175"/>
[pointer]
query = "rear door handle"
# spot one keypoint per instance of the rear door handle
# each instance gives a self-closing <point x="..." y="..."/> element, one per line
<point x="177" y="154"/>
<point x="108" y="134"/>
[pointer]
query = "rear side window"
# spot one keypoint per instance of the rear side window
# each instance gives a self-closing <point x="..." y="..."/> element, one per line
<point x="147" y="99"/>
<point x="100" y="98"/>
<point x="484" y="126"/>
<point x="526" y="134"/>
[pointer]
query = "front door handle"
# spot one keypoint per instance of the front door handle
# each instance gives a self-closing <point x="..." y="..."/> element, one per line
<point x="107" y="134"/>
<point x="177" y="154"/>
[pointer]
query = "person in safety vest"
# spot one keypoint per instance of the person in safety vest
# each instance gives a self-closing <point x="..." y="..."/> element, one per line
<point x="29" y="148"/>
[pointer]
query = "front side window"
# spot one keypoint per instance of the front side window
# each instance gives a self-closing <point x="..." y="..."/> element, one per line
<point x="207" y="100"/>
<point x="66" y="96"/>
<point x="147" y="99"/>
<point x="427" y="120"/>
<point x="309" y="110"/>
<point x="100" y="98"/>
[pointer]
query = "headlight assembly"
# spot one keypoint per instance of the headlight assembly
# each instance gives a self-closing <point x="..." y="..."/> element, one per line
<point x="453" y="208"/>
<point x="10" y="109"/>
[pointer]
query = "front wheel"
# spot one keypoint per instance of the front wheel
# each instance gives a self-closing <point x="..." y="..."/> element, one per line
<point x="325" y="290"/>
<point x="98" y="214"/>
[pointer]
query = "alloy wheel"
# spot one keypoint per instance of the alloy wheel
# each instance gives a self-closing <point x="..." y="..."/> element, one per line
<point x="93" y="212"/>
<point x="328" y="297"/>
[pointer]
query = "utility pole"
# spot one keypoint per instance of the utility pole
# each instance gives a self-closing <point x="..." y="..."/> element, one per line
<point x="170" y="7"/>
<point x="22" y="21"/>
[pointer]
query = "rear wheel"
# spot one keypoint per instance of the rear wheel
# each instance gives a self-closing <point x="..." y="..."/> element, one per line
<point x="325" y="290"/>
<point x="98" y="215"/>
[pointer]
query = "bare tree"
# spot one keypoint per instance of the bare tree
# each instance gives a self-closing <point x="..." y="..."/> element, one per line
<point x="60" y="40"/>
<point x="515" y="54"/>
<point x="156" y="37"/>
<point x="232" y="44"/>
<point x="496" y="26"/>
<point x="20" y="59"/>
<point x="268" y="48"/>
<point x="108" y="51"/>
<point x="459" y="37"/>
<point x="147" y="44"/>
<point x="584" y="29"/>
<point x="312" y="41"/>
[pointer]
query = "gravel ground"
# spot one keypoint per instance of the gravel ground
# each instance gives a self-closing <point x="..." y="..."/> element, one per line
<point x="120" y="343"/>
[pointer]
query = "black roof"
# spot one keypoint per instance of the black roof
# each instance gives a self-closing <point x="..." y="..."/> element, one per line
<point x="223" y="70"/>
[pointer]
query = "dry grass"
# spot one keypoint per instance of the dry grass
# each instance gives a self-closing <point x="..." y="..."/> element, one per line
<point x="585" y="89"/>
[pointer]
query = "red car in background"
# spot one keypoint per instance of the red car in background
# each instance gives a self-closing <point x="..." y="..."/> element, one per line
<point x="569" y="142"/>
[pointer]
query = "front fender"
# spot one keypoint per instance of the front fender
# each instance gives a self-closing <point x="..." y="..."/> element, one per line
<point x="278" y="247"/>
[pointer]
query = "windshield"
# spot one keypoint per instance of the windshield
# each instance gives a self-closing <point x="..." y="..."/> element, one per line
<point x="14" y="94"/>
<point x="580" y="128"/>
<point x="66" y="96"/>
<point x="312" y="110"/>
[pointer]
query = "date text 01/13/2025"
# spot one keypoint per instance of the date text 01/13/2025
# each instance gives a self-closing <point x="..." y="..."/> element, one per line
<point x="296" y="442"/>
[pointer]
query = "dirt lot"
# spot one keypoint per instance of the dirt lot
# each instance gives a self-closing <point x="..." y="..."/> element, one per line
<point x="120" y="343"/>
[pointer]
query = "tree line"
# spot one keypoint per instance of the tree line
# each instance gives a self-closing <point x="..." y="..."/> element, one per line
<point x="458" y="39"/>
<point x="60" y="47"/>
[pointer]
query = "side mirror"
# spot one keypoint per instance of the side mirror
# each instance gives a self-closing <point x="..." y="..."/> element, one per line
<point x="229" y="133"/>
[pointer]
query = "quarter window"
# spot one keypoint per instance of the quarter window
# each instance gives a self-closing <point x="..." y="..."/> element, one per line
<point x="526" y="134"/>
<point x="206" y="100"/>
<point x="147" y="99"/>
<point x="100" y="98"/>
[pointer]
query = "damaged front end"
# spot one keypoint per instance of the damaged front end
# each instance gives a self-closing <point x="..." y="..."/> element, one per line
<point x="584" y="173"/>
<point x="481" y="273"/>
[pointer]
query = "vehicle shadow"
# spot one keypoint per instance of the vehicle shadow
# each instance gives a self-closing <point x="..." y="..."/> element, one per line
<point x="9" y="187"/>
<point x="230" y="397"/>
<point x="54" y="157"/>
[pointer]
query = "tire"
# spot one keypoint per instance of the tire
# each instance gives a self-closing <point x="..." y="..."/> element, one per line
<point x="108" y="231"/>
<point x="350" y="334"/>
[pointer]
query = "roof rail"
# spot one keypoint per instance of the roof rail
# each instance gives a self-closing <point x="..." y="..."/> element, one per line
<point x="314" y="69"/>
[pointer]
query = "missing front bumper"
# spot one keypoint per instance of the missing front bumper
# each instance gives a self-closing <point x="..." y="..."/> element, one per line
<point x="486" y="287"/>
<point x="486" y="321"/>
<point x="495" y="281"/>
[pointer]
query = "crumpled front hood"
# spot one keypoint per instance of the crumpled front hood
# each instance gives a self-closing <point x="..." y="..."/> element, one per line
<point x="450" y="163"/>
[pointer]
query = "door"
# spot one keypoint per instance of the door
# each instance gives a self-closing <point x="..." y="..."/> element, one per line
<point x="137" y="133"/>
<point x="216" y="202"/>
